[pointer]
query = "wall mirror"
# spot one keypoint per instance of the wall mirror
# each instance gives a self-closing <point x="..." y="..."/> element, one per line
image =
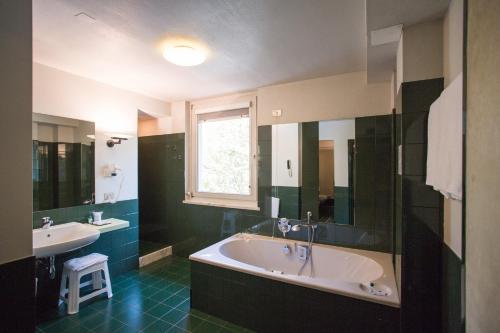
<point x="340" y="170"/>
<point x="63" y="156"/>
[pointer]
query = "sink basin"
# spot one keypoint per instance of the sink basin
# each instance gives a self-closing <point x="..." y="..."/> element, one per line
<point x="63" y="238"/>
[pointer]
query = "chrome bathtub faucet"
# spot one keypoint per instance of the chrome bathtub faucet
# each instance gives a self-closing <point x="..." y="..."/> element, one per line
<point x="47" y="222"/>
<point x="308" y="225"/>
<point x="284" y="226"/>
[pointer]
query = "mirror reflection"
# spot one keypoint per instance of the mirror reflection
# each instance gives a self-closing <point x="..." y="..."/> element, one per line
<point x="339" y="170"/>
<point x="313" y="170"/>
<point x="336" y="171"/>
<point x="63" y="162"/>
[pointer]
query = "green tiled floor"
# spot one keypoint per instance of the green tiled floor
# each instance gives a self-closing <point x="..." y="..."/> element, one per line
<point x="152" y="299"/>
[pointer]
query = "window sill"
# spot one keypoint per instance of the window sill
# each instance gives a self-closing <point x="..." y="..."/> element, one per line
<point x="224" y="203"/>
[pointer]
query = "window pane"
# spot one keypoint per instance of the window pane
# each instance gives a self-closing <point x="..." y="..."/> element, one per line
<point x="224" y="155"/>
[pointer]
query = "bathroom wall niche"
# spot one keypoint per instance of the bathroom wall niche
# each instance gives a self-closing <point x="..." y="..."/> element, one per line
<point x="63" y="154"/>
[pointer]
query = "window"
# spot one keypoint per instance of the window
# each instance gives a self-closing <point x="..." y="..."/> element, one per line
<point x="221" y="156"/>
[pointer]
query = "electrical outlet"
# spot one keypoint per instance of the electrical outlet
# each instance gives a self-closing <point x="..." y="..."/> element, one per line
<point x="277" y="113"/>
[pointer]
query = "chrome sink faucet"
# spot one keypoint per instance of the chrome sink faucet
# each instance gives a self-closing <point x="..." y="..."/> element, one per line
<point x="47" y="222"/>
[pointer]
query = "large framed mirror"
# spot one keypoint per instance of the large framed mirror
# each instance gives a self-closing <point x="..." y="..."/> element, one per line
<point x="340" y="170"/>
<point x="63" y="156"/>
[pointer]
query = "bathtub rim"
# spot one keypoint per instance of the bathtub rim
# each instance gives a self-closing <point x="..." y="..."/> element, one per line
<point x="211" y="255"/>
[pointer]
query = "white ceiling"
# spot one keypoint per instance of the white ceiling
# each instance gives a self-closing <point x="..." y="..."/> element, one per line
<point x="252" y="43"/>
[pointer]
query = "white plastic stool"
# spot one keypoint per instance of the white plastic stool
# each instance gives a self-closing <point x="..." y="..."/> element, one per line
<point x="75" y="269"/>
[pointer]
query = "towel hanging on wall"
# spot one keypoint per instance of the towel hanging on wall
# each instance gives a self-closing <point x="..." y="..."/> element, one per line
<point x="444" y="146"/>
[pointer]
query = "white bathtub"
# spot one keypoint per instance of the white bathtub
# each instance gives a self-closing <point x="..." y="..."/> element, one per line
<point x="338" y="270"/>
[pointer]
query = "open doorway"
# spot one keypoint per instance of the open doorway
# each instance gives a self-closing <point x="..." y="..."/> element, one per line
<point x="326" y="179"/>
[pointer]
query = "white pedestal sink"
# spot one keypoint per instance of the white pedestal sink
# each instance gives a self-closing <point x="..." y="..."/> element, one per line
<point x="63" y="238"/>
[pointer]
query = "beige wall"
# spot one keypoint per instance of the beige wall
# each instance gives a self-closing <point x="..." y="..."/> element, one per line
<point x="333" y="97"/>
<point x="483" y="163"/>
<point x="326" y="170"/>
<point x="422" y="51"/>
<point x="173" y="123"/>
<point x="453" y="41"/>
<point x="452" y="66"/>
<point x="113" y="110"/>
<point x="15" y="131"/>
<point x="327" y="98"/>
<point x="399" y="65"/>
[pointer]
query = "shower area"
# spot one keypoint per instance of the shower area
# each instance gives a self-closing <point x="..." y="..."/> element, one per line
<point x="161" y="190"/>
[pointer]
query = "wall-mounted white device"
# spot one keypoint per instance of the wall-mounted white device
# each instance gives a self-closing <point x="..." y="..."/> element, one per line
<point x="111" y="170"/>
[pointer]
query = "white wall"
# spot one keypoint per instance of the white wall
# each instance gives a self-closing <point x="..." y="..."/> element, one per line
<point x="113" y="110"/>
<point x="452" y="66"/>
<point x="332" y="97"/>
<point x="286" y="143"/>
<point x="16" y="202"/>
<point x="483" y="162"/>
<point x="339" y="131"/>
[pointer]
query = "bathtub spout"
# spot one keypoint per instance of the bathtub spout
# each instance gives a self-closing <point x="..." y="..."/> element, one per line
<point x="298" y="227"/>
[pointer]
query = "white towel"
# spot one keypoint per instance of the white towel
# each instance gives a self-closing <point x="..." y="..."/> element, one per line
<point x="78" y="264"/>
<point x="444" y="147"/>
<point x="275" y="207"/>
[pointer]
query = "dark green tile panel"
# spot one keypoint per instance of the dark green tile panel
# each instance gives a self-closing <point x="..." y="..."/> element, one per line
<point x="17" y="295"/>
<point x="310" y="169"/>
<point x="452" y="281"/>
<point x="417" y="96"/>
<point x="290" y="201"/>
<point x="341" y="209"/>
<point x="220" y="292"/>
<point x="374" y="168"/>
<point x="419" y="217"/>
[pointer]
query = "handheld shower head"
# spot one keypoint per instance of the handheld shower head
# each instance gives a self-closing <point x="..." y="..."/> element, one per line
<point x="296" y="227"/>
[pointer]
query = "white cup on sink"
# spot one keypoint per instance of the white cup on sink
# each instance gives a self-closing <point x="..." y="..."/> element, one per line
<point x="97" y="216"/>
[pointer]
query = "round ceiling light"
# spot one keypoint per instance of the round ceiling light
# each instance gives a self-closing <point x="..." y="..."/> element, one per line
<point x="183" y="55"/>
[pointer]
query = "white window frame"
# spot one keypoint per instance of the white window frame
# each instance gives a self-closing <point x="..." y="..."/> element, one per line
<point x="192" y="196"/>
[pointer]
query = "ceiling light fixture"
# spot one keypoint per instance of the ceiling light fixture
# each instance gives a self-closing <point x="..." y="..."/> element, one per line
<point x="183" y="55"/>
